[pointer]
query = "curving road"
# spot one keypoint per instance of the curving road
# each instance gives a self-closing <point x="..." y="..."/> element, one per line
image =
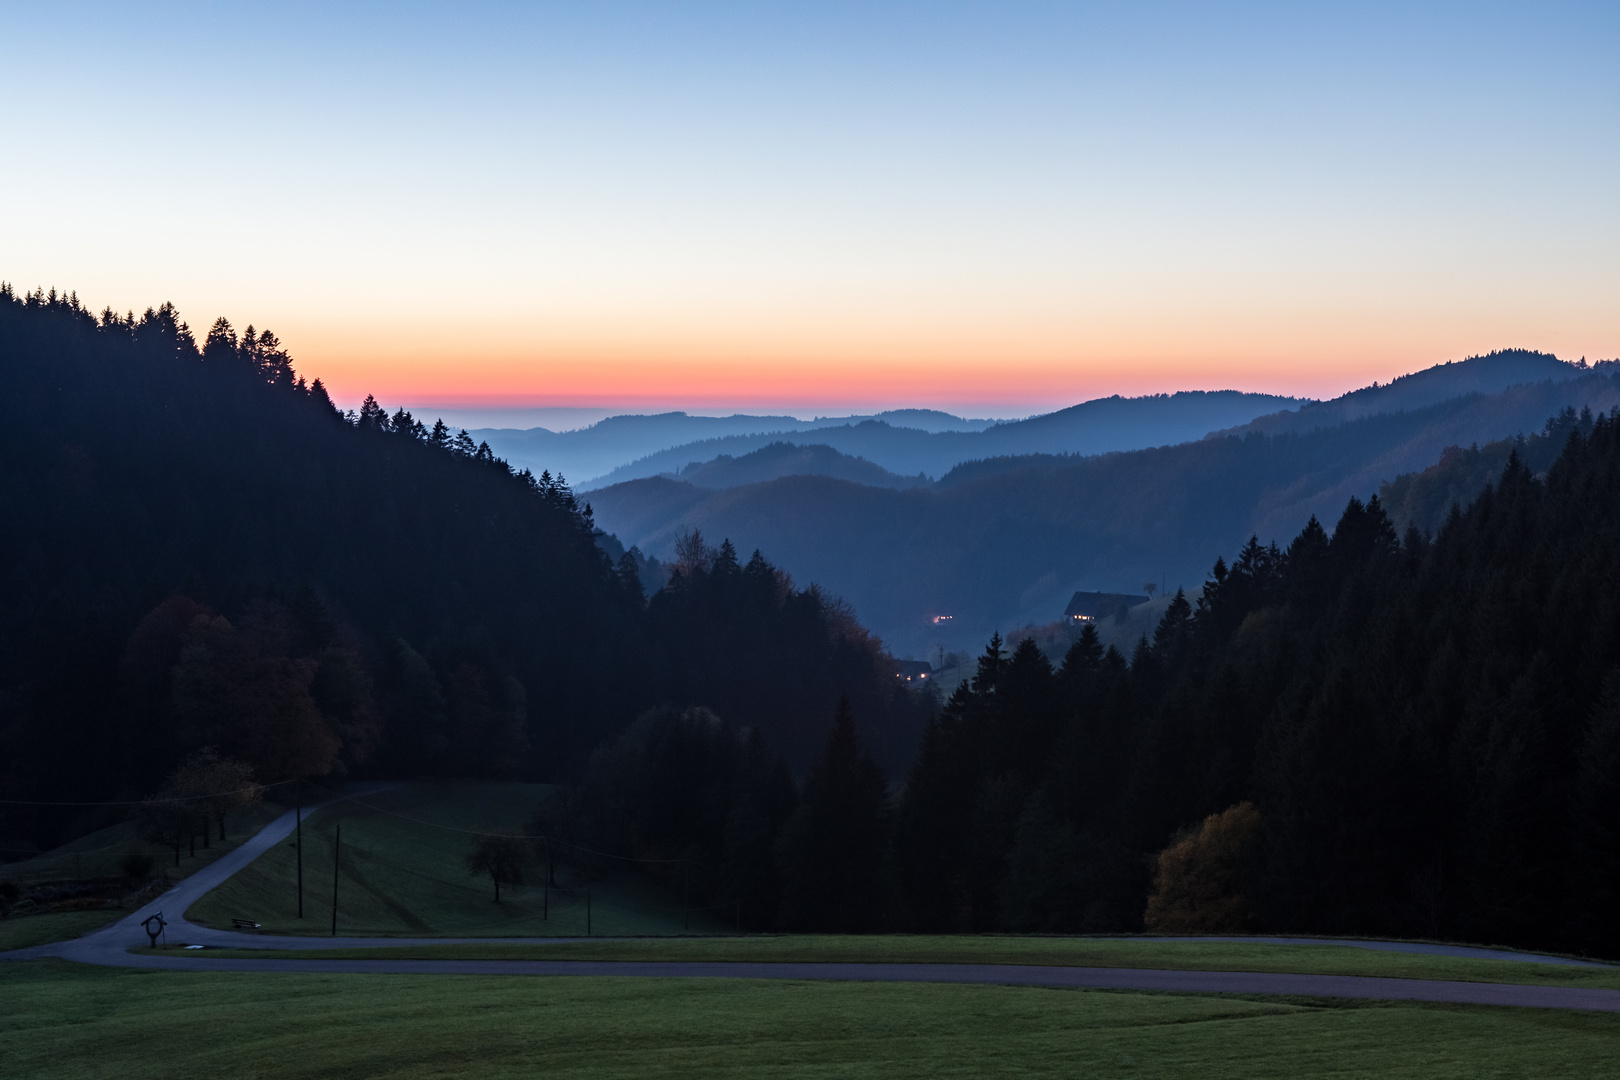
<point x="109" y="946"/>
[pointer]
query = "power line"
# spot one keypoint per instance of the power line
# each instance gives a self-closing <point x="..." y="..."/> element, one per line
<point x="143" y="802"/>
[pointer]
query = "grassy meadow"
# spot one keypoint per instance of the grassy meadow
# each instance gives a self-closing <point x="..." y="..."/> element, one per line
<point x="66" y="1022"/>
<point x="403" y="874"/>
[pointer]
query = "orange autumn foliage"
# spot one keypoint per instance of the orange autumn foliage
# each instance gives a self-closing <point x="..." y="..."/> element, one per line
<point x="1199" y="887"/>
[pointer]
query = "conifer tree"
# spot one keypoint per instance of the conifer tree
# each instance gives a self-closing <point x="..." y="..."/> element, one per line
<point x="834" y="849"/>
<point x="220" y="345"/>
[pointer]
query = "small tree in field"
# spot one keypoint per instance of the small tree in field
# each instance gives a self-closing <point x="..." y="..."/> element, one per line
<point x="167" y="818"/>
<point x="502" y="856"/>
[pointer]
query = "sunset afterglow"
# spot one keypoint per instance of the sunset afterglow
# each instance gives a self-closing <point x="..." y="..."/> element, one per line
<point x="995" y="209"/>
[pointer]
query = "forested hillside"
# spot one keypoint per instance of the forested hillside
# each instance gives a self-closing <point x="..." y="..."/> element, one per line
<point x="1358" y="733"/>
<point x="203" y="551"/>
<point x="790" y="459"/>
<point x="1424" y="498"/>
<point x="1005" y="541"/>
<point x="1430" y="732"/>
<point x="1485" y="375"/>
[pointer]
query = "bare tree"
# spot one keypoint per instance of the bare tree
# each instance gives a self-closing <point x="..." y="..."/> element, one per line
<point x="168" y="817"/>
<point x="501" y="855"/>
<point x="692" y="555"/>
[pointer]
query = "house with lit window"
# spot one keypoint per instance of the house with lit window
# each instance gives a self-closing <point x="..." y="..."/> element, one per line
<point x="913" y="671"/>
<point x="1088" y="607"/>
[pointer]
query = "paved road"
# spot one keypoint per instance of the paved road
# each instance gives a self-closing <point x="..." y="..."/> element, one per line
<point x="109" y="946"/>
<point x="1201" y="982"/>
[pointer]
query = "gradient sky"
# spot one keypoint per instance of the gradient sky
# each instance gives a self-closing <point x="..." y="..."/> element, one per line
<point x="992" y="208"/>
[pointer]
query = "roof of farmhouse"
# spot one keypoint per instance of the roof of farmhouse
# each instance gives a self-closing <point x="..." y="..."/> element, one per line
<point x="1100" y="605"/>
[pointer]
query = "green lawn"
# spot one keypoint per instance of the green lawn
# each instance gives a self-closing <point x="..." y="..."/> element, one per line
<point x="59" y="1020"/>
<point x="24" y="931"/>
<point x="1079" y="952"/>
<point x="404" y="877"/>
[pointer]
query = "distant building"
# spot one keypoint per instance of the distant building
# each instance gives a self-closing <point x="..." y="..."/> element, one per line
<point x="913" y="670"/>
<point x="1092" y="606"/>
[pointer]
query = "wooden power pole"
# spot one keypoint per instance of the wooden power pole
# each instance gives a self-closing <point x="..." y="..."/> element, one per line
<point x="337" y="849"/>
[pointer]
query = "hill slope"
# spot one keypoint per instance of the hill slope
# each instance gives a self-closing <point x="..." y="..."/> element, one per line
<point x="1092" y="427"/>
<point x="588" y="453"/>
<point x="204" y="551"/>
<point x="787" y="459"/>
<point x="1005" y="541"/>
<point x="1492" y="373"/>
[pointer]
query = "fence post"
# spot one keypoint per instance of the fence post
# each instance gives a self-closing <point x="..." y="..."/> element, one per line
<point x="298" y="787"/>
<point x="337" y="849"/>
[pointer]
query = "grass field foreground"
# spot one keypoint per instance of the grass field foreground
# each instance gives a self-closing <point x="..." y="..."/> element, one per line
<point x="1077" y="952"/>
<point x="60" y="1021"/>
<point x="403" y="873"/>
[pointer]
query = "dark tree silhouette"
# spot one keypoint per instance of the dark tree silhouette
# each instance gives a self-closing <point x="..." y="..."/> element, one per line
<point x="834" y="848"/>
<point x="503" y="856"/>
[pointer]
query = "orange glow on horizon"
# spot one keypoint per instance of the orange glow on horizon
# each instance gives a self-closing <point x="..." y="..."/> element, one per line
<point x="807" y="373"/>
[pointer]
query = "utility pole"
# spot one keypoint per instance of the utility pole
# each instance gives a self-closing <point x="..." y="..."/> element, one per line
<point x="337" y="848"/>
<point x="298" y="787"/>
<point x="686" y="912"/>
<point x="587" y="911"/>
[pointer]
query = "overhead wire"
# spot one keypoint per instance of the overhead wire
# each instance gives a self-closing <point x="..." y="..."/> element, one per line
<point x="147" y="802"/>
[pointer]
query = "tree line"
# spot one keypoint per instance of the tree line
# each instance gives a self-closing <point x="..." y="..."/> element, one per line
<point x="1361" y="733"/>
<point x="206" y="553"/>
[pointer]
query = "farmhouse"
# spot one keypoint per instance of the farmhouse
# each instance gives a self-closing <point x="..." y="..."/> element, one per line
<point x="1090" y="606"/>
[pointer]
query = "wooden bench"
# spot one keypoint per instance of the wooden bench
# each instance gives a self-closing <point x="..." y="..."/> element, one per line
<point x="244" y="924"/>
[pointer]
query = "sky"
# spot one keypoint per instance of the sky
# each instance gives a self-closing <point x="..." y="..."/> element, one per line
<point x="994" y="209"/>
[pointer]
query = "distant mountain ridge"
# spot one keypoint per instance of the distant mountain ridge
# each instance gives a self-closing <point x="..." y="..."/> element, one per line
<point x="585" y="454"/>
<point x="1006" y="540"/>
<point x="1092" y="427"/>
<point x="1491" y="373"/>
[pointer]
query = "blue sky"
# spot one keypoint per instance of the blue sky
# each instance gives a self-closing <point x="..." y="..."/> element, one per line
<point x="822" y="206"/>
